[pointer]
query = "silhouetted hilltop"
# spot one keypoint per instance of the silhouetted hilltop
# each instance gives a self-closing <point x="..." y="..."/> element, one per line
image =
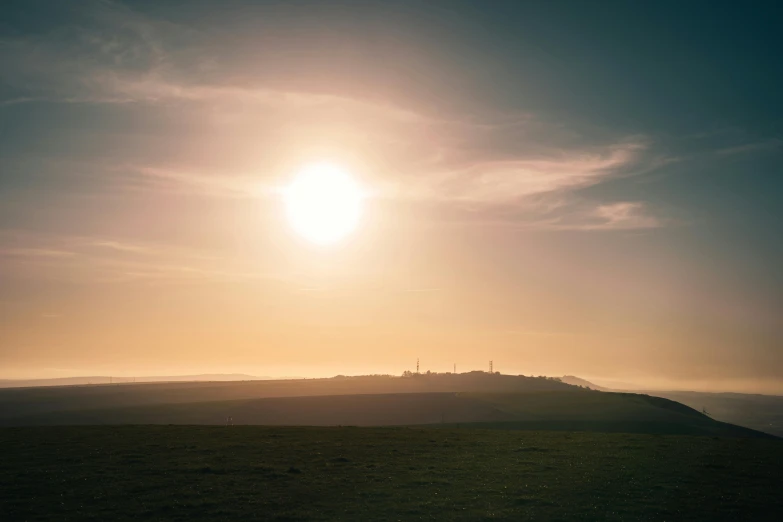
<point x="490" y="399"/>
<point x="16" y="401"/>
<point x="578" y="381"/>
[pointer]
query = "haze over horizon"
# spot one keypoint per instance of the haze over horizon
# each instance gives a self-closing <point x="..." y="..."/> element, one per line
<point x="563" y="188"/>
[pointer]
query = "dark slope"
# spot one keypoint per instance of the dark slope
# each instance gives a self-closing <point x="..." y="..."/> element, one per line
<point x="335" y="410"/>
<point x="605" y="412"/>
<point x="758" y="412"/>
<point x="586" y="411"/>
<point x="28" y="401"/>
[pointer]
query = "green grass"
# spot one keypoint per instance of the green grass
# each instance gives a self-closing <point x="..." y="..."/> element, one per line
<point x="258" y="473"/>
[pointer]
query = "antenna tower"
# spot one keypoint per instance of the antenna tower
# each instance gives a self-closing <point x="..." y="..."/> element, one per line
<point x="490" y="367"/>
<point x="417" y="365"/>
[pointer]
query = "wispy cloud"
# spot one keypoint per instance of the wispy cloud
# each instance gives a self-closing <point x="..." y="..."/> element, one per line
<point x="117" y="245"/>
<point x="746" y="148"/>
<point x="625" y="215"/>
<point x="213" y="184"/>
<point x="77" y="258"/>
<point x="37" y="253"/>
<point x="504" y="180"/>
<point x="498" y="165"/>
<point x="572" y="214"/>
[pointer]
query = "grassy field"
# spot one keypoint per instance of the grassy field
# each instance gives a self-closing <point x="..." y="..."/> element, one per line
<point x="262" y="473"/>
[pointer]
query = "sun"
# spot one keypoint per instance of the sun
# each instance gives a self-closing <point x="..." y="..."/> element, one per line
<point x="323" y="203"/>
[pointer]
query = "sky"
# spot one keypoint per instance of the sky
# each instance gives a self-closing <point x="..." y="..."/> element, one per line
<point x="561" y="187"/>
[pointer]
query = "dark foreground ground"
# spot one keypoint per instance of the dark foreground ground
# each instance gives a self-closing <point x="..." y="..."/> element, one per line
<point x="258" y="473"/>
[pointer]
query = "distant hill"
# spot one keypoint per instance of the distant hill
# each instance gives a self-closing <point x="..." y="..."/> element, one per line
<point x="486" y="400"/>
<point x="618" y="385"/>
<point x="105" y="379"/>
<point x="576" y="381"/>
<point x="23" y="401"/>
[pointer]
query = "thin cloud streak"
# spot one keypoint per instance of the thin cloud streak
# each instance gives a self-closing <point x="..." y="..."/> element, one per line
<point x="135" y="63"/>
<point x="36" y="253"/>
<point x="760" y="146"/>
<point x="576" y="216"/>
<point x="122" y="247"/>
<point x="118" y="262"/>
<point x="502" y="181"/>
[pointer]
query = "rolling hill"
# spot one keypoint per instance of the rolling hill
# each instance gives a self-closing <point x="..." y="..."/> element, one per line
<point x="15" y="402"/>
<point x="758" y="412"/>
<point x="105" y="379"/>
<point x="488" y="401"/>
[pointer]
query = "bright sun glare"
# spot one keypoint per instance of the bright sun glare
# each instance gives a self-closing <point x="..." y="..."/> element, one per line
<point x="323" y="203"/>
